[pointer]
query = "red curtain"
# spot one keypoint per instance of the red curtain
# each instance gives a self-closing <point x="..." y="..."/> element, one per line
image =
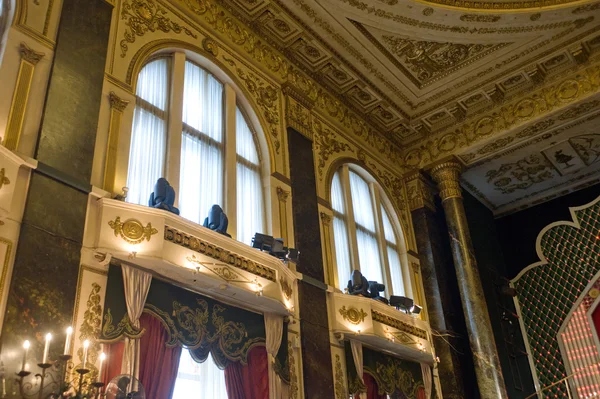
<point x="250" y="381"/>
<point x="158" y="363"/>
<point x="372" y="387"/>
<point x="114" y="359"/>
<point x="421" y="393"/>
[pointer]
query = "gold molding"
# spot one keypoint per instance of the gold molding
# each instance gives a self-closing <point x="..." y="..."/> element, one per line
<point x="327" y="247"/>
<point x="117" y="106"/>
<point x="132" y="230"/>
<point x="420" y="192"/>
<point x="18" y="107"/>
<point x="353" y="315"/>
<point x="232" y="259"/>
<point x="286" y="288"/>
<point x="398" y="324"/>
<point x="282" y="196"/>
<point x="340" y="387"/>
<point x="447" y="176"/>
<point x="5" y="265"/>
<point x="293" y="376"/>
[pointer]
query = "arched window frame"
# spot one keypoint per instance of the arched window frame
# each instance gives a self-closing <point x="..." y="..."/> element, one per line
<point x="379" y="202"/>
<point x="233" y="96"/>
<point x="7" y="11"/>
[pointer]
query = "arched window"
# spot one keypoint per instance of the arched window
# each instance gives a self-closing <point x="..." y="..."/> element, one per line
<point x="180" y="132"/>
<point x="5" y="17"/>
<point x="364" y="234"/>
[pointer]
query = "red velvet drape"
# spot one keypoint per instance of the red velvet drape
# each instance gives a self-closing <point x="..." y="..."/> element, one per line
<point x="372" y="387"/>
<point x="421" y="393"/>
<point x="250" y="381"/>
<point x="158" y="363"/>
<point x="114" y="359"/>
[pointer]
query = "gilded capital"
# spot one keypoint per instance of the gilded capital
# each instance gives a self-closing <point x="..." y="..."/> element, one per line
<point x="30" y="55"/>
<point x="325" y="218"/>
<point x="447" y="176"/>
<point x="420" y="191"/>
<point x="282" y="194"/>
<point x="116" y="102"/>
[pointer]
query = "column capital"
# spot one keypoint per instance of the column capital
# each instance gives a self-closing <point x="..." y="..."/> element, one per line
<point x="420" y="190"/>
<point x="117" y="102"/>
<point x="447" y="175"/>
<point x="29" y="55"/>
<point x="282" y="194"/>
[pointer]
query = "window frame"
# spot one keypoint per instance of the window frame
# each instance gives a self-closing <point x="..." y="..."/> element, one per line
<point x="379" y="202"/>
<point x="232" y="98"/>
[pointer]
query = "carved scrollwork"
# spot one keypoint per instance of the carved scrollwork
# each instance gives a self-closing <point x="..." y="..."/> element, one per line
<point x="286" y="288"/>
<point x="132" y="230"/>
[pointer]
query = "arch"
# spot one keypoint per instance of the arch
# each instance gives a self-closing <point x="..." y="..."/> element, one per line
<point x="207" y="60"/>
<point x="338" y="163"/>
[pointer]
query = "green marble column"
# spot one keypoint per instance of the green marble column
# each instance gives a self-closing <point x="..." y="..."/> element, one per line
<point x="481" y="336"/>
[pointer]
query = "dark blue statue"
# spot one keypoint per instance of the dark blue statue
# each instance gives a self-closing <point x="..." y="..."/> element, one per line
<point x="217" y="220"/>
<point x="163" y="196"/>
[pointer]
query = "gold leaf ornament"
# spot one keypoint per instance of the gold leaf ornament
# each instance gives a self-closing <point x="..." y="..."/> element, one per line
<point x="132" y="230"/>
<point x="353" y="315"/>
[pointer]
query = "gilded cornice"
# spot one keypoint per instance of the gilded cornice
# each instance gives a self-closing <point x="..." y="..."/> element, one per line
<point x="506" y="117"/>
<point x="398" y="324"/>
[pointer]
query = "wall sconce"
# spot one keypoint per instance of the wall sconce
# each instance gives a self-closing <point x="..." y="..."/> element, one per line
<point x="132" y="254"/>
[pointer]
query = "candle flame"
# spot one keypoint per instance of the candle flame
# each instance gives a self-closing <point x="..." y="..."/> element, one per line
<point x="48" y="337"/>
<point x="86" y="344"/>
<point x="70" y="330"/>
<point x="26" y="345"/>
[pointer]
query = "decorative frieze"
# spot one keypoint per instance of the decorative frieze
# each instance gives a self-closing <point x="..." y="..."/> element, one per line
<point x="398" y="324"/>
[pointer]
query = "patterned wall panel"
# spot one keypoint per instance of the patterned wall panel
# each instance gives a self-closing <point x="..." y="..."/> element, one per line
<point x="548" y="290"/>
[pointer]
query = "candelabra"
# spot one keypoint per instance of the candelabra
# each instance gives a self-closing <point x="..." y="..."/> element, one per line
<point x="62" y="388"/>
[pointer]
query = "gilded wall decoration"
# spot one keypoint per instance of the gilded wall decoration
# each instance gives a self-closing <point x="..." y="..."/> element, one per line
<point x="286" y="288"/>
<point x="132" y="230"/>
<point x="398" y="324"/>
<point x="326" y="144"/>
<point x="353" y="315"/>
<point x="226" y="273"/>
<point x="428" y="11"/>
<point x="266" y="97"/>
<point x="479" y="18"/>
<point x="586" y="8"/>
<point x="143" y="16"/>
<point x="420" y="192"/>
<point x="340" y="386"/>
<point x="298" y="117"/>
<point x="293" y="389"/>
<point x="197" y="244"/>
<point x="521" y="175"/>
<point x="90" y="329"/>
<point x="506" y="117"/>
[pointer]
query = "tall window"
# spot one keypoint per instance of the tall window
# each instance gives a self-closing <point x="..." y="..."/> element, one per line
<point x="194" y="119"/>
<point x="149" y="134"/>
<point x="250" y="218"/>
<point x="365" y="238"/>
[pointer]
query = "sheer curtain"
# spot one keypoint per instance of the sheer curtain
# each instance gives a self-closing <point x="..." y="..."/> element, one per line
<point x="199" y="380"/>
<point x="201" y="175"/>
<point x="340" y="232"/>
<point x="250" y="217"/>
<point x="366" y="237"/>
<point x="392" y="252"/>
<point x="149" y="134"/>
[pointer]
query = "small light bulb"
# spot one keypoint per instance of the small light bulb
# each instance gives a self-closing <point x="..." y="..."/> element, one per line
<point x="26" y="345"/>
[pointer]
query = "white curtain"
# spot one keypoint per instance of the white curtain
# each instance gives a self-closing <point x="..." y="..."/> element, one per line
<point x="201" y="174"/>
<point x="392" y="252"/>
<point x="199" y="380"/>
<point x="4" y="24"/>
<point x="357" y="355"/>
<point x="340" y="232"/>
<point x="427" y="379"/>
<point x="149" y="133"/>
<point x="274" y="335"/>
<point x="136" y="284"/>
<point x="250" y="216"/>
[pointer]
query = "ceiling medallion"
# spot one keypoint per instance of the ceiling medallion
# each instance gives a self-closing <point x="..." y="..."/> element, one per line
<point x="132" y="230"/>
<point x="353" y="315"/>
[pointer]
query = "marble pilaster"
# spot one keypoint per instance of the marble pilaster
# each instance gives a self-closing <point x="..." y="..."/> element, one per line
<point x="481" y="336"/>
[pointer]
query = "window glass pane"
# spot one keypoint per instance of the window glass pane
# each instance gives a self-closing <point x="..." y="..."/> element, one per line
<point x="152" y="83"/>
<point x="199" y="380"/>
<point x="368" y="254"/>
<point x="203" y="102"/>
<point x="395" y="271"/>
<point x="387" y="227"/>
<point x="361" y="202"/>
<point x="244" y="139"/>
<point x="342" y="251"/>
<point x="149" y="134"/>
<point x="250" y="217"/>
<point x="337" y="195"/>
<point x="201" y="177"/>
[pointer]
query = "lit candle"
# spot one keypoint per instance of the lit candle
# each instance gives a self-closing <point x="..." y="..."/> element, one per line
<point x="102" y="357"/>
<point x="68" y="340"/>
<point x="46" y="348"/>
<point x="26" y="368"/>
<point x="26" y="345"/>
<point x="86" y="345"/>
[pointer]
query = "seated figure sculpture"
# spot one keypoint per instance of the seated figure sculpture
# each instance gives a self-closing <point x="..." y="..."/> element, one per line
<point x="217" y="220"/>
<point x="163" y="196"/>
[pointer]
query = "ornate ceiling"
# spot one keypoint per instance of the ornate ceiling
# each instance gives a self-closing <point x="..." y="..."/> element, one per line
<point x="420" y="70"/>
